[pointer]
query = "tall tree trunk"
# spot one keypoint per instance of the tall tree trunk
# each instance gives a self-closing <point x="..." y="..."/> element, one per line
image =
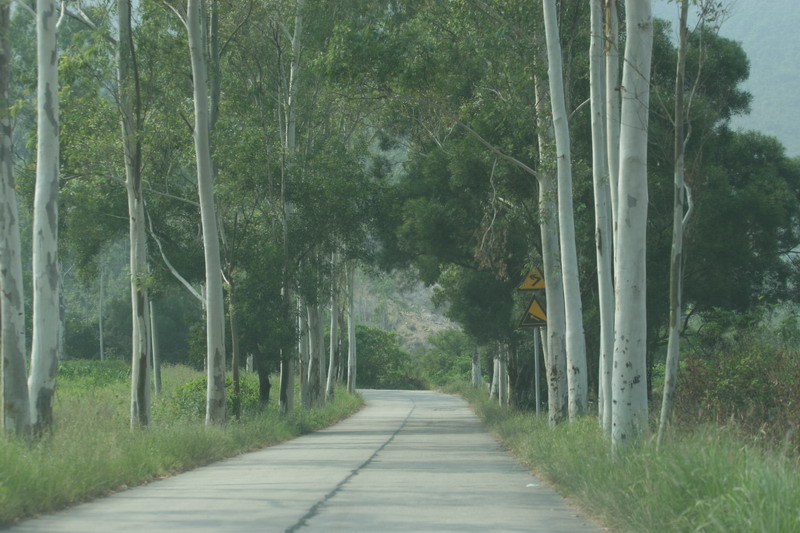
<point x="576" y="343"/>
<point x="303" y="351"/>
<point x="352" y="354"/>
<point x="232" y="317"/>
<point x="287" y="384"/>
<point x="602" y="213"/>
<point x="46" y="312"/>
<point x="502" y="375"/>
<point x="16" y="404"/>
<point x="555" y="356"/>
<point x="679" y="219"/>
<point x="156" y="355"/>
<point x="613" y="93"/>
<point x="477" y="378"/>
<point x="316" y="359"/>
<point x="130" y="105"/>
<point x="629" y="381"/>
<point x="215" y="312"/>
<point x="494" y="386"/>
<point x="100" y="316"/>
<point x="334" y="334"/>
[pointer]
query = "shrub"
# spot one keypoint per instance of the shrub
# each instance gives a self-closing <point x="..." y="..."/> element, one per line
<point x="189" y="400"/>
<point x="382" y="364"/>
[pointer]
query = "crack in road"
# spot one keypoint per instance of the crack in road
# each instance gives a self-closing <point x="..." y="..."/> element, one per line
<point x="312" y="512"/>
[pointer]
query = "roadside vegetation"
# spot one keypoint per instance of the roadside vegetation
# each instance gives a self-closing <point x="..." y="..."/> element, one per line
<point x="730" y="462"/>
<point x="92" y="451"/>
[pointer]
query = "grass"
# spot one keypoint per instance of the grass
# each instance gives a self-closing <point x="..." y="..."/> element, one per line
<point x="92" y="451"/>
<point x="708" y="479"/>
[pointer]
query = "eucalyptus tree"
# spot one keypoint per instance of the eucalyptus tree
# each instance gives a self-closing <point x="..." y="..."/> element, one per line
<point x="13" y="350"/>
<point x="680" y="217"/>
<point x="46" y="279"/>
<point x="215" y="311"/>
<point x="602" y="211"/>
<point x="629" y="380"/>
<point x="130" y="107"/>
<point x="575" y="342"/>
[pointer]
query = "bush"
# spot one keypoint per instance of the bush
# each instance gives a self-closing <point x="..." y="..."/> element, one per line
<point x="189" y="400"/>
<point x="449" y="359"/>
<point x="382" y="364"/>
<point x="752" y="379"/>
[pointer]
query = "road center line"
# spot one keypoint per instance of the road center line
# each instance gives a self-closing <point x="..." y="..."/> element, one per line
<point x="316" y="507"/>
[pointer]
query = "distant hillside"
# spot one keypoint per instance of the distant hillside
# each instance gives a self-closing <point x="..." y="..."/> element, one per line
<point x="768" y="31"/>
<point x="398" y="302"/>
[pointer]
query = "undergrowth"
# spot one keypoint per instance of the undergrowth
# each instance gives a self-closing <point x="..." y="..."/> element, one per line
<point x="707" y="479"/>
<point x="92" y="451"/>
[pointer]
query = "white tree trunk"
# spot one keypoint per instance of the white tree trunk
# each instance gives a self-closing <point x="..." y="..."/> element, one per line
<point x="352" y="353"/>
<point x="128" y="88"/>
<point x="316" y="363"/>
<point x="678" y="225"/>
<point x="494" y="387"/>
<point x="502" y="378"/>
<point x="613" y="92"/>
<point x="100" y="316"/>
<point x="16" y="404"/>
<point x="477" y="378"/>
<point x="46" y="313"/>
<point x="304" y="354"/>
<point x="287" y="385"/>
<point x="555" y="356"/>
<point x="602" y="215"/>
<point x="629" y="381"/>
<point x="576" y="343"/>
<point x="155" y="351"/>
<point x="334" y="335"/>
<point x="215" y="311"/>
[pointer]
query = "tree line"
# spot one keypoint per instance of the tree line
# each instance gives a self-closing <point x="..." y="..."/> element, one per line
<point x="258" y="152"/>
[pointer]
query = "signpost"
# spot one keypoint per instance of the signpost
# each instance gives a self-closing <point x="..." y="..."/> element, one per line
<point x="534" y="317"/>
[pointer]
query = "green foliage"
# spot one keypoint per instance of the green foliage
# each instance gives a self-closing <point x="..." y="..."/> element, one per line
<point x="704" y="480"/>
<point x="189" y="400"/>
<point x="749" y="377"/>
<point x="86" y="374"/>
<point x="382" y="364"/>
<point x="449" y="358"/>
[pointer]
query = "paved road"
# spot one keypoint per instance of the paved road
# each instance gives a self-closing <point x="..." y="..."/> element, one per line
<point x="409" y="461"/>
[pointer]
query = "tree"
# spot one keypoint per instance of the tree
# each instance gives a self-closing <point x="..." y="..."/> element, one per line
<point x="629" y="380"/>
<point x="129" y="101"/>
<point x="602" y="213"/>
<point x="215" y="311"/>
<point x="46" y="279"/>
<point x="576" y="344"/>
<point x="13" y="350"/>
<point x="680" y="217"/>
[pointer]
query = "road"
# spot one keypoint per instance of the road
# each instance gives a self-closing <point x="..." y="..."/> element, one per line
<point x="410" y="461"/>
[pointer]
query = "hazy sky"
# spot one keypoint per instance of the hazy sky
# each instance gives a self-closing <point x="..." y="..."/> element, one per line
<point x="768" y="31"/>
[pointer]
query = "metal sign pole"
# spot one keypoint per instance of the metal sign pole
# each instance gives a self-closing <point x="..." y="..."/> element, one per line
<point x="536" y="355"/>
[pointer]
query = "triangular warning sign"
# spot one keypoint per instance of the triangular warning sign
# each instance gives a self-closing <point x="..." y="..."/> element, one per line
<point x="534" y="281"/>
<point x="534" y="317"/>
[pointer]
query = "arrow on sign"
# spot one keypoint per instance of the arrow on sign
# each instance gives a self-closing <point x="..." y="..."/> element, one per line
<point x="534" y="281"/>
<point x="534" y="317"/>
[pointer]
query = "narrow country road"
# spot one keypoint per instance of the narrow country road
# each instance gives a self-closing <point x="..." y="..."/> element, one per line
<point x="410" y="461"/>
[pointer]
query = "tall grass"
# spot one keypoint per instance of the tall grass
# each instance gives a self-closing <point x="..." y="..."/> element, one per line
<point x="92" y="451"/>
<point x="708" y="479"/>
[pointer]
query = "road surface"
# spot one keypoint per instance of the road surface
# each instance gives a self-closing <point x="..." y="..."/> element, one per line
<point x="410" y="461"/>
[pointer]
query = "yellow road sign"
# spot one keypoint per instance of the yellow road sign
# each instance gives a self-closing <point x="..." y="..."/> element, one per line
<point x="534" y="317"/>
<point x="534" y="281"/>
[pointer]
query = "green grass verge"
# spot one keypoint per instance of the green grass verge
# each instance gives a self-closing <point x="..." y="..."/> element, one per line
<point x="93" y="452"/>
<point x="706" y="479"/>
